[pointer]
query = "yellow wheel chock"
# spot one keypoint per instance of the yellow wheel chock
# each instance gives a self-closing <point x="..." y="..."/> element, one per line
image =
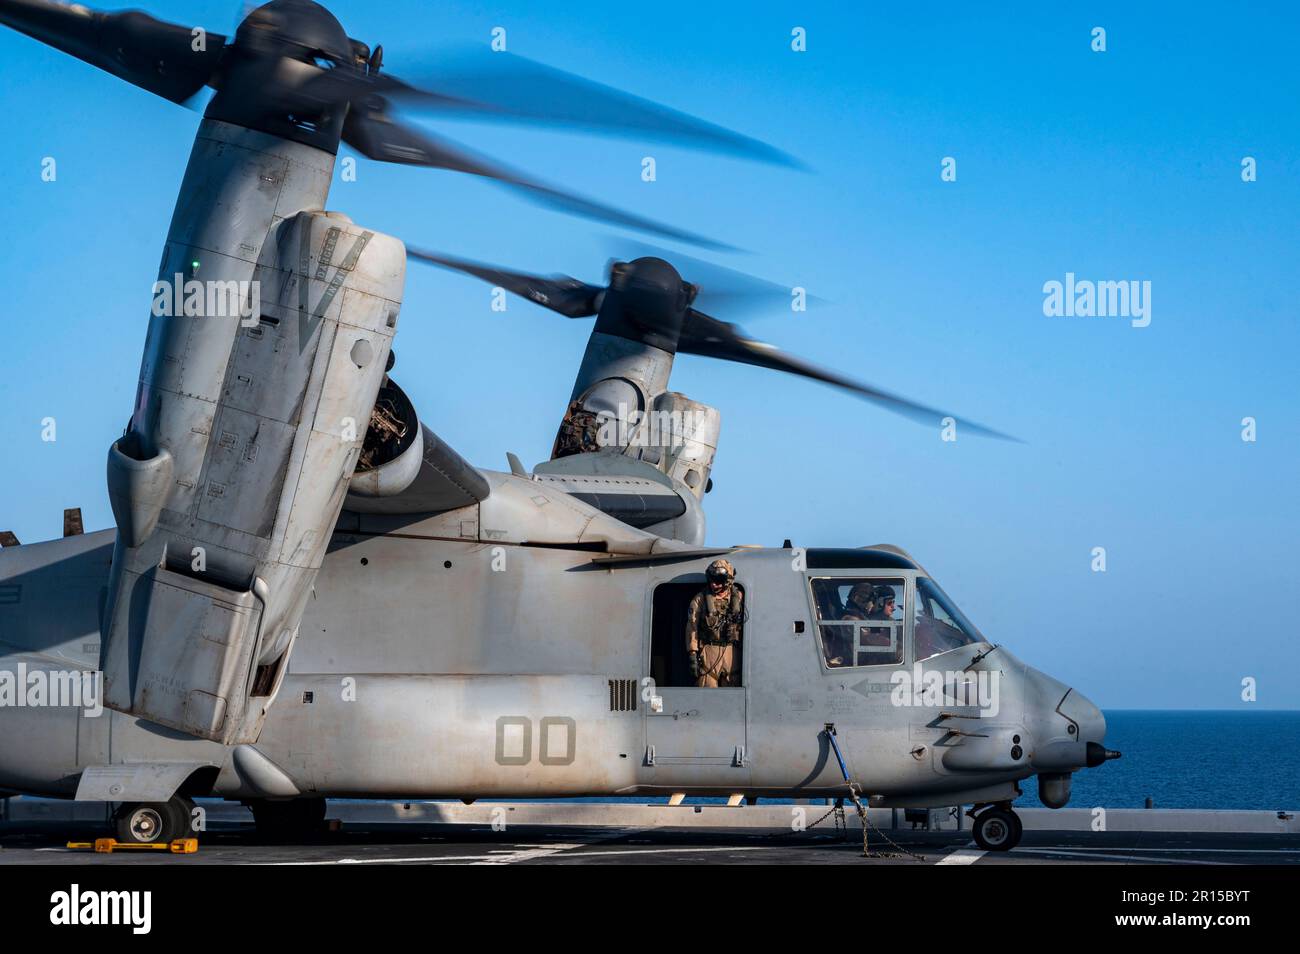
<point x="106" y="846"/>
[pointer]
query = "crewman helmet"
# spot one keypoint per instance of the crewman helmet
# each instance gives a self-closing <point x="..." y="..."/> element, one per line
<point x="720" y="571"/>
<point x="862" y="593"/>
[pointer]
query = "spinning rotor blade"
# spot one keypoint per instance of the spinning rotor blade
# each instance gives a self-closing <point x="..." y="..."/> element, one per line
<point x="335" y="87"/>
<point x="719" y="288"/>
<point x="699" y="334"/>
<point x="568" y="296"/>
<point x="711" y="338"/>
<point x="154" y="55"/>
<point x="503" y="86"/>
<point x="292" y="71"/>
<point x="374" y="133"/>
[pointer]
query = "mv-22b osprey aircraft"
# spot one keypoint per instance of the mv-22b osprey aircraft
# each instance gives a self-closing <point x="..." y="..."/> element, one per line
<point x="293" y="607"/>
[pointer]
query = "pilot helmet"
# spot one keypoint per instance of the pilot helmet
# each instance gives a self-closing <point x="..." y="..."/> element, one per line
<point x="885" y="593"/>
<point x="862" y="593"/>
<point x="720" y="571"/>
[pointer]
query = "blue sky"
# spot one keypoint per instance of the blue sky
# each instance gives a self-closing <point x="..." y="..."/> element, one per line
<point x="1123" y="165"/>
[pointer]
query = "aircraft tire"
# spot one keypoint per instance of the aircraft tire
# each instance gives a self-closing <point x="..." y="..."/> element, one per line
<point x="140" y="823"/>
<point x="997" y="829"/>
<point x="182" y="810"/>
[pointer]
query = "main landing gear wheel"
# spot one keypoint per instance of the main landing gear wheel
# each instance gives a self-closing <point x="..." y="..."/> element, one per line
<point x="997" y="829"/>
<point x="182" y="810"/>
<point x="141" y="823"/>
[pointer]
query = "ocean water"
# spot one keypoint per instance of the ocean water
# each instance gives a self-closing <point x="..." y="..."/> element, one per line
<point x="1193" y="759"/>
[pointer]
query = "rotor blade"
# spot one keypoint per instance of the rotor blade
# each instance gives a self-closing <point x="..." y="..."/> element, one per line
<point x="156" y="56"/>
<point x="721" y="289"/>
<point x="568" y="296"/>
<point x="510" y="87"/>
<point x="711" y="338"/>
<point x="337" y="86"/>
<point x="374" y="133"/>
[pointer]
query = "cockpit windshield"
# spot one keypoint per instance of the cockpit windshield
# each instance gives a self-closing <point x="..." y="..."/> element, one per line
<point x="939" y="625"/>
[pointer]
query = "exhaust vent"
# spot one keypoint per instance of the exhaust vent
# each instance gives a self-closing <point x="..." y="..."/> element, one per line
<point x="622" y="695"/>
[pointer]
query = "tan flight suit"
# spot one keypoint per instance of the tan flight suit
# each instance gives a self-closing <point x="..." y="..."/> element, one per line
<point x="713" y="628"/>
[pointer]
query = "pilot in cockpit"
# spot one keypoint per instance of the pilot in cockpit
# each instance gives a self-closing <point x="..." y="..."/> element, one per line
<point x="861" y="601"/>
<point x="883" y="602"/>
<point x="838" y="640"/>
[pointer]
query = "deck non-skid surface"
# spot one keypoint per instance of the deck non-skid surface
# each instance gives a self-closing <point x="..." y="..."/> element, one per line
<point x="406" y="843"/>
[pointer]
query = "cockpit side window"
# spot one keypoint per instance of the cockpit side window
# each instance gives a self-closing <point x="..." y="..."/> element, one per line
<point x="860" y="620"/>
<point x="940" y="626"/>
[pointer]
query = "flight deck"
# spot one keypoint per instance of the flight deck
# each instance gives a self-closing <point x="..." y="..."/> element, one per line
<point x="440" y="833"/>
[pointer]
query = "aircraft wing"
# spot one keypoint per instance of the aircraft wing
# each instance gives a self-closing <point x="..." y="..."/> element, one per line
<point x="443" y="481"/>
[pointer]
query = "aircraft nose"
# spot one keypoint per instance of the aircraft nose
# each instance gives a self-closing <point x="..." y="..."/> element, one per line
<point x="1067" y="727"/>
<point x="1091" y="723"/>
<point x="1085" y="714"/>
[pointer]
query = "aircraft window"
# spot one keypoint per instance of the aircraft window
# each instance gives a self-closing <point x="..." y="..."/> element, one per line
<point x="940" y="626"/>
<point x="860" y="620"/>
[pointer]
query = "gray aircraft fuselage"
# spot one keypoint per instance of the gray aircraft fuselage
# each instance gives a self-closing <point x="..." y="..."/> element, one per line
<point x="447" y="656"/>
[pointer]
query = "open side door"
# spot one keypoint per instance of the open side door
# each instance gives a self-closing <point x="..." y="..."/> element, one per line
<point x="693" y="734"/>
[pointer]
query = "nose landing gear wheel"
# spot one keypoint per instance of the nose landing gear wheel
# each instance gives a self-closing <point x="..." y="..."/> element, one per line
<point x="997" y="829"/>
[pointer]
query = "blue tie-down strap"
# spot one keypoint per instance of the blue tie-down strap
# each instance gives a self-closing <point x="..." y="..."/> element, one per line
<point x="839" y="756"/>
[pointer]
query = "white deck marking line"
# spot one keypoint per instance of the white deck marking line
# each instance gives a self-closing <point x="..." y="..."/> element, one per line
<point x="497" y="859"/>
<point x="524" y="853"/>
<point x="430" y="859"/>
<point x="963" y="856"/>
<point x="1095" y="853"/>
<point x="506" y="857"/>
<point x="672" y="851"/>
<point x="497" y="855"/>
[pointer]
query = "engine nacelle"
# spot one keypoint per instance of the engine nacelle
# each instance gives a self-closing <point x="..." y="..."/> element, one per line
<point x="692" y="430"/>
<point x="244" y="439"/>
<point x="405" y="468"/>
<point x="393" y="450"/>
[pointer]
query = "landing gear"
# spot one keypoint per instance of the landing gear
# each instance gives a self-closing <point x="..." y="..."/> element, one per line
<point x="998" y="828"/>
<point x="141" y="823"/>
<point x="182" y="810"/>
<point x="292" y="818"/>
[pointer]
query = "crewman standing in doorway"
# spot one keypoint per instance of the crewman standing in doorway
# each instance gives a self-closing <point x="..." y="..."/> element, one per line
<point x="714" y="623"/>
